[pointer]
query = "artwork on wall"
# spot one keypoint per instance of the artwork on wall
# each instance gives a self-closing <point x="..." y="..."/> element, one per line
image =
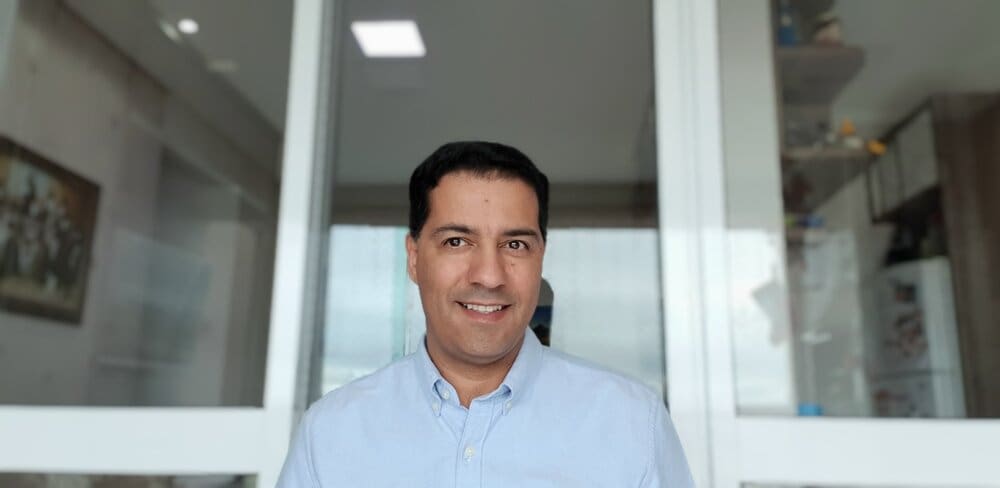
<point x="47" y="218"/>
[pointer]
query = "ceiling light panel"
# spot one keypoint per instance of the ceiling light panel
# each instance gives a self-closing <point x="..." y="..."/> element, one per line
<point x="389" y="38"/>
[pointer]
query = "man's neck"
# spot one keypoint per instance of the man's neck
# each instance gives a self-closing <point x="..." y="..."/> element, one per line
<point x="471" y="380"/>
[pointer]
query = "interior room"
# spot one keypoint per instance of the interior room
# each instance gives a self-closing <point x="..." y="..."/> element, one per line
<point x="781" y="216"/>
<point x="184" y="159"/>
<point x="573" y="102"/>
<point x="889" y="218"/>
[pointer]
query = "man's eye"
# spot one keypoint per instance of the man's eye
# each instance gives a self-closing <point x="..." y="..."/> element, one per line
<point x="453" y="242"/>
<point x="517" y="245"/>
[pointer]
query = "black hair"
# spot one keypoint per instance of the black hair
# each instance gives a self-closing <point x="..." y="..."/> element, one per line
<point x="484" y="159"/>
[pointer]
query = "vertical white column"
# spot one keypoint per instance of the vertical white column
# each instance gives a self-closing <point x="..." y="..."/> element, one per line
<point x="297" y="226"/>
<point x="692" y="225"/>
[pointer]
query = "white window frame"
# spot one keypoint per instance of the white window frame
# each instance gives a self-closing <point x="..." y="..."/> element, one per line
<point x="198" y="441"/>
<point x="726" y="449"/>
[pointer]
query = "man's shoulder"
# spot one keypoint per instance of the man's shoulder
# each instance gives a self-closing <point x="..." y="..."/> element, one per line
<point x="379" y="389"/>
<point x="580" y="378"/>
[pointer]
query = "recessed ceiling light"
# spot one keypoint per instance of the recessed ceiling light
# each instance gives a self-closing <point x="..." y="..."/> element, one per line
<point x="389" y="38"/>
<point x="188" y="26"/>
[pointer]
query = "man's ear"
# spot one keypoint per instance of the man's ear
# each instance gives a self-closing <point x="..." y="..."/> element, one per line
<point x="411" y="257"/>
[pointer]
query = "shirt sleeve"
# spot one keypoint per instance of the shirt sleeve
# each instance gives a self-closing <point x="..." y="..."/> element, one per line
<point x="298" y="471"/>
<point x="668" y="468"/>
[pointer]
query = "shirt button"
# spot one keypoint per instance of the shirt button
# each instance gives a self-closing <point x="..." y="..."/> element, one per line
<point x="436" y="406"/>
<point x="506" y="407"/>
<point x="469" y="452"/>
<point x="446" y="394"/>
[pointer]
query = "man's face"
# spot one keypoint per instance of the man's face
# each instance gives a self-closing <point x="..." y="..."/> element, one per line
<point x="478" y="264"/>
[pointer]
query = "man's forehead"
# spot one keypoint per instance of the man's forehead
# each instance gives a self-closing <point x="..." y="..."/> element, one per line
<point x="483" y="205"/>
<point x="464" y="186"/>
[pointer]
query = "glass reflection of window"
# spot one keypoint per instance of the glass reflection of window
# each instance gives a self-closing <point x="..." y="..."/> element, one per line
<point x="605" y="304"/>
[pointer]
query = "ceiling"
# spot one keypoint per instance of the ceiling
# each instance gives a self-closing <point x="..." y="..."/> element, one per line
<point x="255" y="35"/>
<point x="914" y="48"/>
<point x="567" y="81"/>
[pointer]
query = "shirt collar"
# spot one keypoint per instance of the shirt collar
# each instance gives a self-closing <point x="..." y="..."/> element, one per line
<point x="428" y="377"/>
<point x="517" y="381"/>
<point x="525" y="367"/>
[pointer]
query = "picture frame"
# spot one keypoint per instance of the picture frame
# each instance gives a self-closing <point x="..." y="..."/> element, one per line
<point x="47" y="219"/>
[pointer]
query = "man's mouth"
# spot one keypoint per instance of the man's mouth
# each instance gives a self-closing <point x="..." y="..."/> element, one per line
<point x="483" y="308"/>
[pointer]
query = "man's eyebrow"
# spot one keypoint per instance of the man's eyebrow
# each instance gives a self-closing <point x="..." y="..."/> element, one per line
<point x="526" y="232"/>
<point x="456" y="228"/>
<point x="464" y="229"/>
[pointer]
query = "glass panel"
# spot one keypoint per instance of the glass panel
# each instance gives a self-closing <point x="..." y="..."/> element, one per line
<point x="139" y="155"/>
<point x="17" y="480"/>
<point x="863" y="209"/>
<point x="579" y="105"/>
<point x="368" y="284"/>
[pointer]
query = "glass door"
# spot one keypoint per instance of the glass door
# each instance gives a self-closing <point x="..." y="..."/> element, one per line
<point x="579" y="105"/>
<point x="831" y="239"/>
<point x="155" y="223"/>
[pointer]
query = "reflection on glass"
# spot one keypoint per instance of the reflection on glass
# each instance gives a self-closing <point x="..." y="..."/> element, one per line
<point x="138" y="198"/>
<point x="607" y="311"/>
<point x="883" y="256"/>
<point x="372" y="308"/>
<point x="36" y="480"/>
<point x="762" y="339"/>
<point x="607" y="304"/>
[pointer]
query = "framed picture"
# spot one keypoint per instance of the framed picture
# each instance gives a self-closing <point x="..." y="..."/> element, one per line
<point x="47" y="218"/>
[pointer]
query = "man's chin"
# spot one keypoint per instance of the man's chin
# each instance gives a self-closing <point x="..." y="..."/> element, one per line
<point x="491" y="352"/>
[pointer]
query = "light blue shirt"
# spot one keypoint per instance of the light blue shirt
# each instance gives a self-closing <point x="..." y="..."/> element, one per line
<point x="555" y="421"/>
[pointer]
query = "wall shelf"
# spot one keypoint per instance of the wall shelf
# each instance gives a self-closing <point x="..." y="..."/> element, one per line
<point x="815" y="75"/>
<point x="811" y="77"/>
<point x="812" y="175"/>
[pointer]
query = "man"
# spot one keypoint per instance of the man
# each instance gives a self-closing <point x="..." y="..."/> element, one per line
<point x="483" y="403"/>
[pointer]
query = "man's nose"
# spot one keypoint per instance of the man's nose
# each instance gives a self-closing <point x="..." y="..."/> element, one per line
<point x="487" y="269"/>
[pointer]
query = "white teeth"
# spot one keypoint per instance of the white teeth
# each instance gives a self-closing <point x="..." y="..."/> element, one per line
<point x="483" y="308"/>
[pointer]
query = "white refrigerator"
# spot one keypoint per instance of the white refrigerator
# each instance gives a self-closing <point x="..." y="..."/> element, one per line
<point x="913" y="359"/>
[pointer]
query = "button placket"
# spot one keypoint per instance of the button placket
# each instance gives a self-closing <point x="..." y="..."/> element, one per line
<point x="477" y="424"/>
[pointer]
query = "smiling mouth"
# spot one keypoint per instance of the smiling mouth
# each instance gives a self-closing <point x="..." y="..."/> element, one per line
<point x="483" y="308"/>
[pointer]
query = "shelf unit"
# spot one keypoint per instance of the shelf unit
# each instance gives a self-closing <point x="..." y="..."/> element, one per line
<point x="812" y="175"/>
<point x="815" y="75"/>
<point x="811" y="77"/>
